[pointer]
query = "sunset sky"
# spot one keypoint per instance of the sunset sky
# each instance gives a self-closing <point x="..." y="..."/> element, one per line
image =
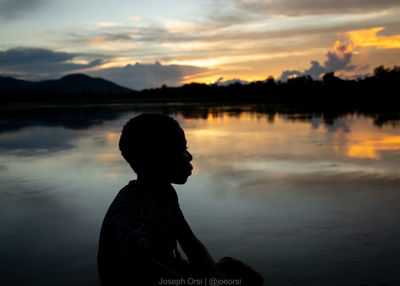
<point x="141" y="44"/>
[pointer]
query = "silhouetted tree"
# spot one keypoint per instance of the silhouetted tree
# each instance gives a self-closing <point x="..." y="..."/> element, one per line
<point x="330" y="78"/>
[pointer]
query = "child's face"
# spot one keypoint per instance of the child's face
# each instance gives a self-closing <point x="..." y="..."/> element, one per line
<point x="176" y="167"/>
<point x="181" y="168"/>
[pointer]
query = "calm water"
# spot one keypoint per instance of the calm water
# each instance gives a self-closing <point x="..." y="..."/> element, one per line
<point x="302" y="201"/>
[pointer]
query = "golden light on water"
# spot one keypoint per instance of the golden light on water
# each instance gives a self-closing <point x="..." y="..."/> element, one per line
<point x="371" y="148"/>
<point x="108" y="158"/>
<point x="365" y="144"/>
<point x="217" y="130"/>
<point x="112" y="137"/>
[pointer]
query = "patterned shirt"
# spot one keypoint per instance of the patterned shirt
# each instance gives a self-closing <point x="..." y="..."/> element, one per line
<point x="141" y="221"/>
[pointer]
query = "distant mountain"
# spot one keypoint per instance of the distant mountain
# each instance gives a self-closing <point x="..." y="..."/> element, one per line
<point x="9" y="85"/>
<point x="73" y="84"/>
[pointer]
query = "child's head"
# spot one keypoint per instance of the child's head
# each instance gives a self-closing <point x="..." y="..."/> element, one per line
<point x="155" y="147"/>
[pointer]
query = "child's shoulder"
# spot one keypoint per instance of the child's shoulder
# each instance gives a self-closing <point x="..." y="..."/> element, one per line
<point x="131" y="199"/>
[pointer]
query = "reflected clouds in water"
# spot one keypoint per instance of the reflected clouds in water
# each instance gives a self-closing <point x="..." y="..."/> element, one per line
<point x="36" y="140"/>
<point x="279" y="189"/>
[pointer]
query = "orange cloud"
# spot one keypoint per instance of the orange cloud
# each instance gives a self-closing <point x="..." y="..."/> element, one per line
<point x="341" y="49"/>
<point x="370" y="38"/>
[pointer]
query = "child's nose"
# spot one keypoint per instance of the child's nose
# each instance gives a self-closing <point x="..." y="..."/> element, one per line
<point x="189" y="156"/>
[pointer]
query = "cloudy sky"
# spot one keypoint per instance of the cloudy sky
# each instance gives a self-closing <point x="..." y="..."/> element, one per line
<point x="141" y="44"/>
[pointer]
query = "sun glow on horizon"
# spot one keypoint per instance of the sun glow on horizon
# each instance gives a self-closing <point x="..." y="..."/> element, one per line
<point x="191" y="41"/>
<point x="243" y="60"/>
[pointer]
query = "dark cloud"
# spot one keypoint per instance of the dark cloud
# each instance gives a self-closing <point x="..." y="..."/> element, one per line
<point x="315" y="71"/>
<point x="138" y="35"/>
<point x="34" y="63"/>
<point x="141" y="76"/>
<point x="10" y="9"/>
<point x="288" y="73"/>
<point x="23" y="56"/>
<point x="312" y="7"/>
<point x="222" y="14"/>
<point x="338" y="60"/>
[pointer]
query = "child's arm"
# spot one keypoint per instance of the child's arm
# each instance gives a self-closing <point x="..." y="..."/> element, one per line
<point x="196" y="251"/>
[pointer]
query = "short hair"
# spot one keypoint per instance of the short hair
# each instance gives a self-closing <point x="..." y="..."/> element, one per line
<point x="147" y="136"/>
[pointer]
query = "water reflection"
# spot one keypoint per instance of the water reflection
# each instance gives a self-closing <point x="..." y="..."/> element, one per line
<point x="307" y="199"/>
<point x="371" y="148"/>
<point x="86" y="116"/>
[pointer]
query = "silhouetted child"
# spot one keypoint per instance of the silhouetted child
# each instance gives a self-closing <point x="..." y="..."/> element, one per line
<point x="138" y="239"/>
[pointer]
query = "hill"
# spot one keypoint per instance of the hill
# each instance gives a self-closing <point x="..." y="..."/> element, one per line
<point x="73" y="84"/>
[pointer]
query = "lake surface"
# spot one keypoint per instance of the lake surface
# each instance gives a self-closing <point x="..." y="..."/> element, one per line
<point x="302" y="199"/>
